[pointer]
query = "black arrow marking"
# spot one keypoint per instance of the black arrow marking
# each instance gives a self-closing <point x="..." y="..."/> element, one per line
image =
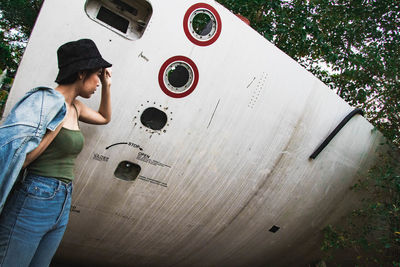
<point x="122" y="143"/>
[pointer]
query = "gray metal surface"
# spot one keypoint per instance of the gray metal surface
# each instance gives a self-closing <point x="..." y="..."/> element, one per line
<point x="231" y="163"/>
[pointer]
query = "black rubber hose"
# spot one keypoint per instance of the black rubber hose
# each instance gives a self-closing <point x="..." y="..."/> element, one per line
<point x="335" y="131"/>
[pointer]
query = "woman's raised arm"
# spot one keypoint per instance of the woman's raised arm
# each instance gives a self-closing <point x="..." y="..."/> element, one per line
<point x="103" y="115"/>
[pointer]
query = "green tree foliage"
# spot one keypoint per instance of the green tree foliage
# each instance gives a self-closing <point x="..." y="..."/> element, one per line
<point x="17" y="18"/>
<point x="372" y="232"/>
<point x="357" y="41"/>
<point x="6" y="53"/>
<point x="20" y="14"/>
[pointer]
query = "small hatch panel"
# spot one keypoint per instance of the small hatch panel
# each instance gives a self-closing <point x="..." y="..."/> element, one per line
<point x="127" y="171"/>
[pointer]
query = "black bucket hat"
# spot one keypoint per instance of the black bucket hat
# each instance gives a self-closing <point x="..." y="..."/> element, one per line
<point x="78" y="55"/>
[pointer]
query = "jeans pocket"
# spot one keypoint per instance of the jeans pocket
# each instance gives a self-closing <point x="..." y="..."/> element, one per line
<point x="40" y="190"/>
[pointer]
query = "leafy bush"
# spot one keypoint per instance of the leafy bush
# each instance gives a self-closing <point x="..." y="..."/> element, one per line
<point x="372" y="231"/>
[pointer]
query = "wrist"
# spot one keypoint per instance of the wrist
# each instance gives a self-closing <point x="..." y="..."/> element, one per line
<point x="106" y="86"/>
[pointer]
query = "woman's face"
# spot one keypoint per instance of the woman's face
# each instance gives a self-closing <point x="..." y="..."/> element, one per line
<point x="90" y="83"/>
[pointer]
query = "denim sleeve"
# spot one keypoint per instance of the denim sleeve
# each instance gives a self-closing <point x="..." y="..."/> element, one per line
<point x="42" y="108"/>
<point x="26" y="111"/>
<point x="54" y="108"/>
<point x="57" y="119"/>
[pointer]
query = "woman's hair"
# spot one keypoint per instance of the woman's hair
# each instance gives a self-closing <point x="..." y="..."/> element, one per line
<point x="72" y="78"/>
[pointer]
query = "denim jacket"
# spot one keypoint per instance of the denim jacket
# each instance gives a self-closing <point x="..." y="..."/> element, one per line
<point x="40" y="109"/>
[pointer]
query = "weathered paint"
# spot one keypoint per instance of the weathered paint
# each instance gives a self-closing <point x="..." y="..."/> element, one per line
<point x="231" y="162"/>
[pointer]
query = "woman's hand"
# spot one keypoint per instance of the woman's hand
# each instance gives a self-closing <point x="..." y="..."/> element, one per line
<point x="103" y="115"/>
<point x="105" y="78"/>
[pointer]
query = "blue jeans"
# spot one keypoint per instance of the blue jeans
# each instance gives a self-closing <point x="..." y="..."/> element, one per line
<point x="33" y="221"/>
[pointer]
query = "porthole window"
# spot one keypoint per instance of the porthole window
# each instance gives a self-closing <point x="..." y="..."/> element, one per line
<point x="153" y="118"/>
<point x="128" y="18"/>
<point x="202" y="24"/>
<point x="178" y="77"/>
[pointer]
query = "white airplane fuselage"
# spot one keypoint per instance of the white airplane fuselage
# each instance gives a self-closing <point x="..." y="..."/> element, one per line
<point x="206" y="159"/>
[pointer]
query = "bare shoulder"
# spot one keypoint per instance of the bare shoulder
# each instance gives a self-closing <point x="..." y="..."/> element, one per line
<point x="79" y="106"/>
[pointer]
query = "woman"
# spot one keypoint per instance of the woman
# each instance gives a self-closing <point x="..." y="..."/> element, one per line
<point x="35" y="216"/>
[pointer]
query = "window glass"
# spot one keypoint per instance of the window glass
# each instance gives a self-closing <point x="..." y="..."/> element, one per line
<point x="178" y="77"/>
<point x="112" y="19"/>
<point x="203" y="24"/>
<point x="128" y="18"/>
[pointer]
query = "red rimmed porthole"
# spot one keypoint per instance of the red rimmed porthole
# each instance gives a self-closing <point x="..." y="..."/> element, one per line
<point x="178" y="76"/>
<point x="202" y="24"/>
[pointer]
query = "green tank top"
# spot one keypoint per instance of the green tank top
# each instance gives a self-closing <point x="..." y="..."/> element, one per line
<point x="58" y="160"/>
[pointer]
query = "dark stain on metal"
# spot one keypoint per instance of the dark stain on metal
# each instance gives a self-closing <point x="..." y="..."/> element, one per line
<point x="252" y="197"/>
<point x="272" y="172"/>
<point x="213" y="113"/>
<point x="257" y="192"/>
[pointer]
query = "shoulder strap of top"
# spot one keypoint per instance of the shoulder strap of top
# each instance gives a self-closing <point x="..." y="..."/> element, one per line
<point x="77" y="114"/>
